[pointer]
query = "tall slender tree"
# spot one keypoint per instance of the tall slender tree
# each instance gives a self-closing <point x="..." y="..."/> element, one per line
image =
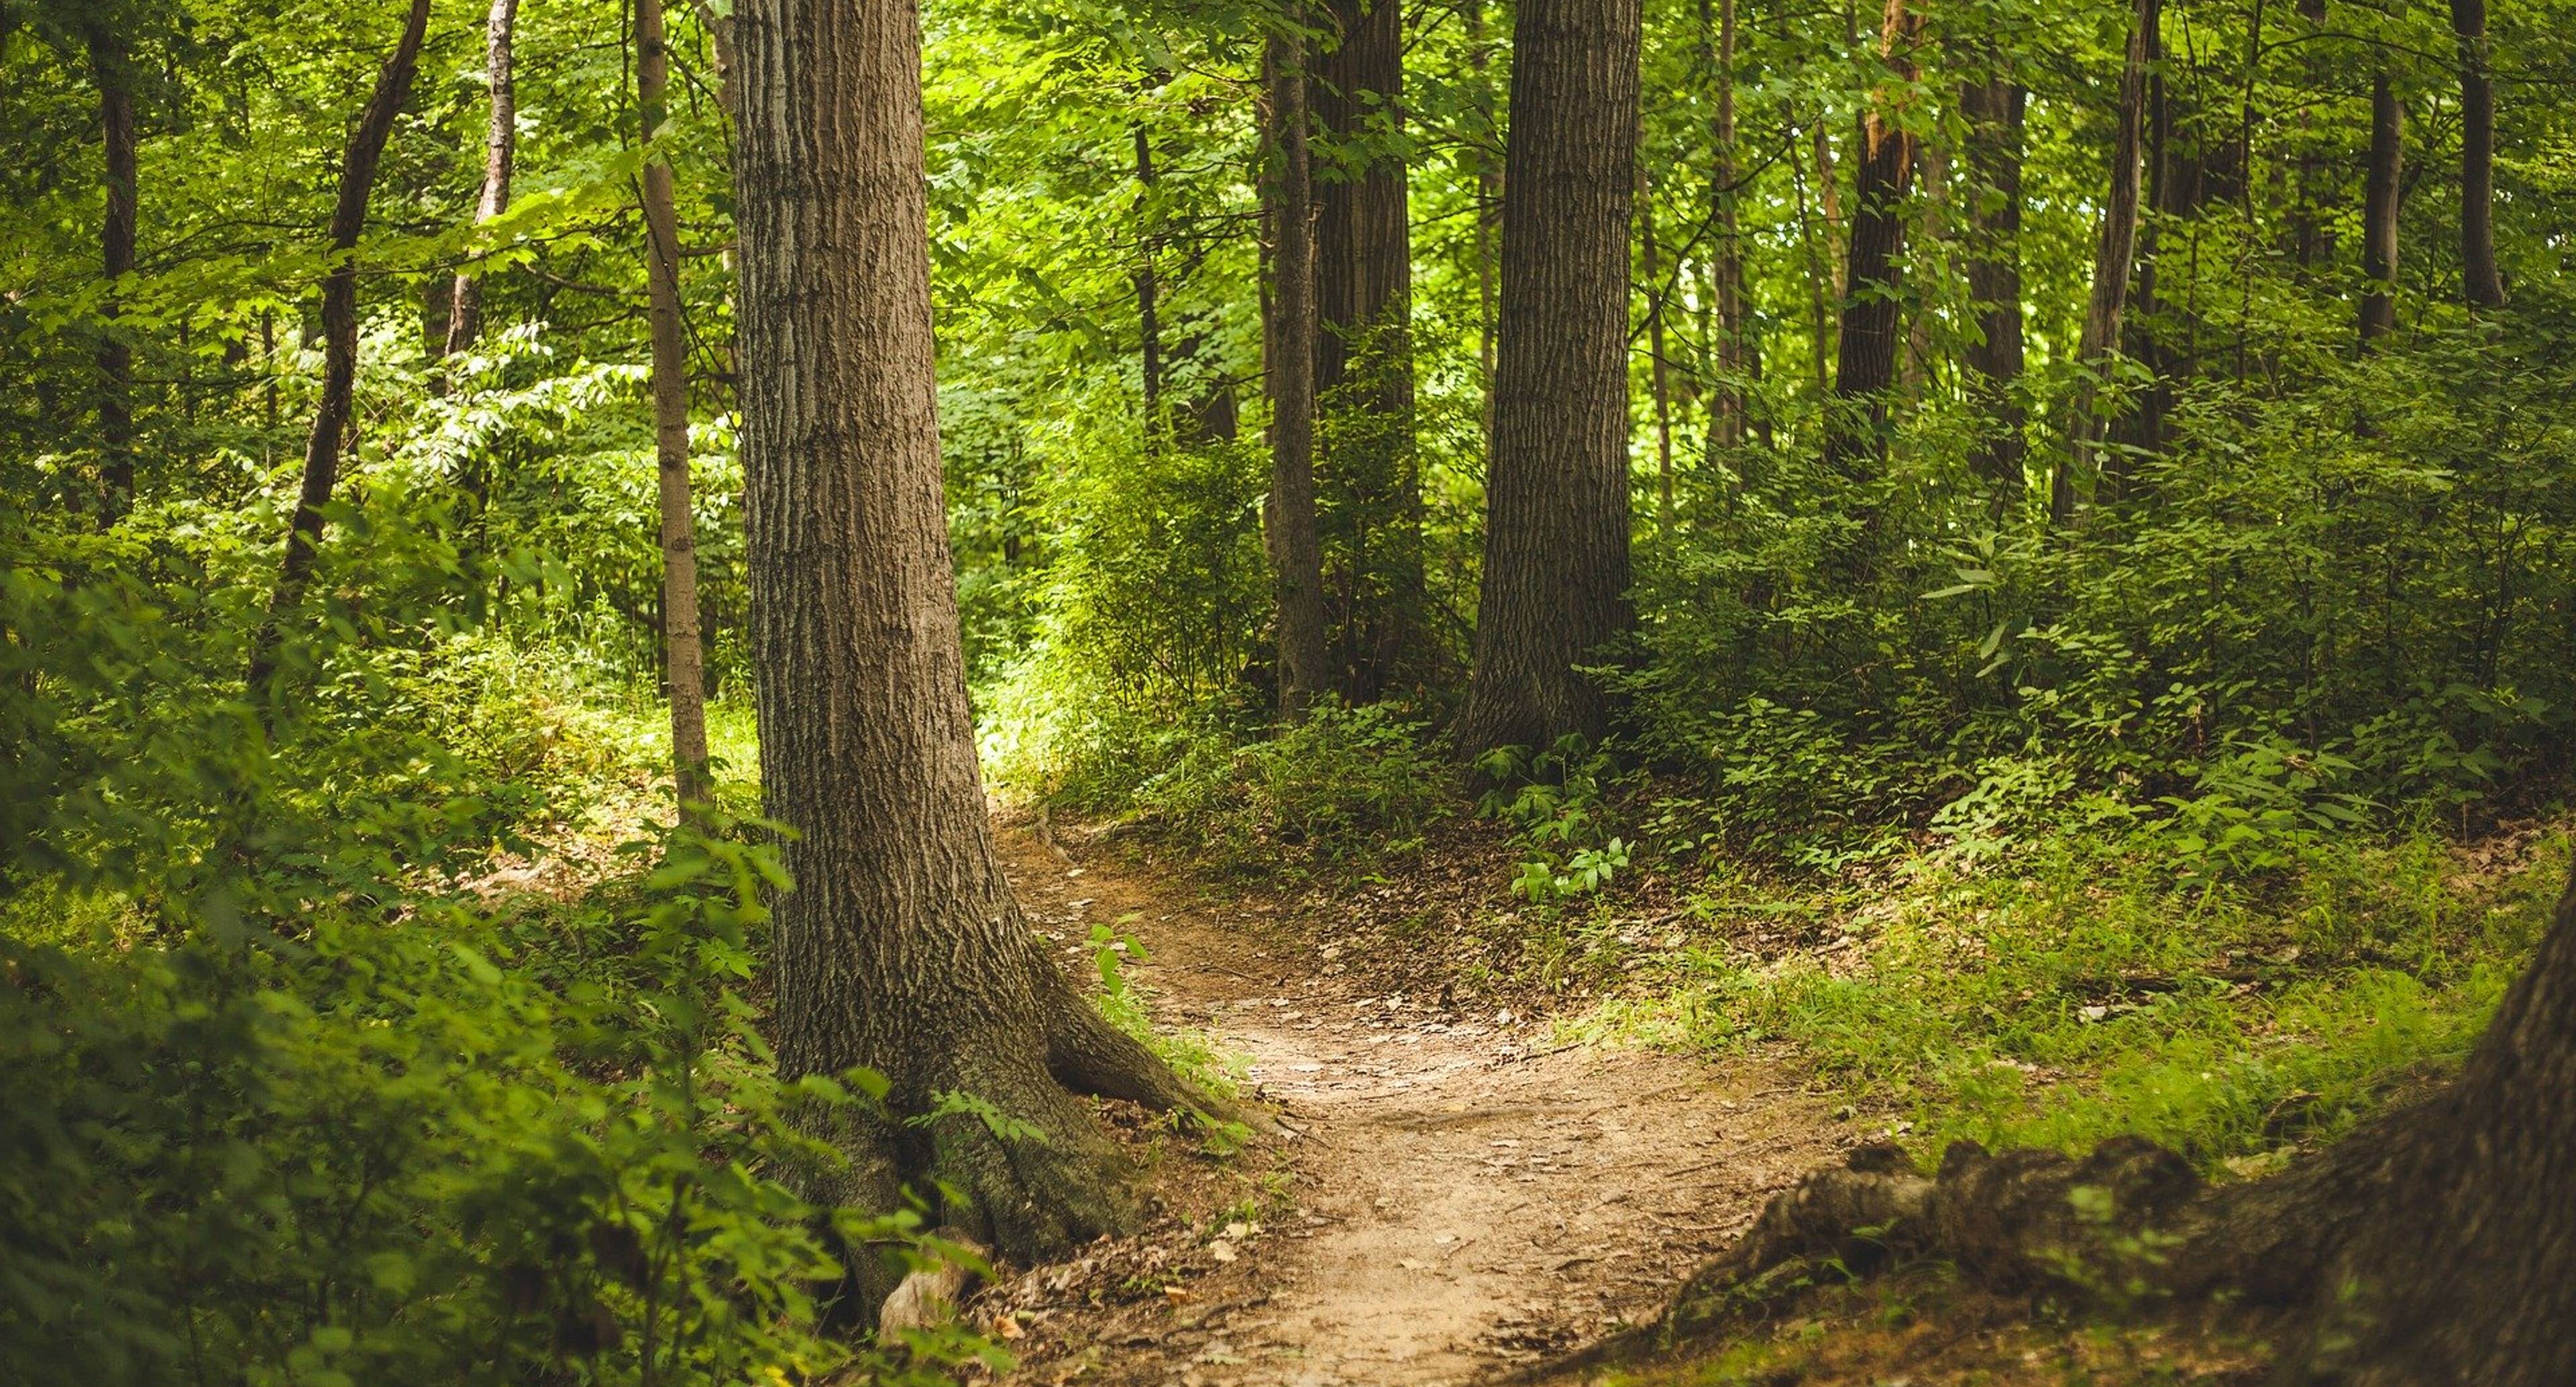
<point x="2481" y="286"/>
<point x="901" y="948"/>
<point x="1866" y="349"/>
<point x="500" y="154"/>
<point x="2382" y="188"/>
<point x="1994" y="104"/>
<point x="339" y="346"/>
<point x="683" y="663"/>
<point x="1296" y="546"/>
<point x="1726" y="255"/>
<point x="2114" y="256"/>
<point x="1556" y="531"/>
<point x="1364" y="346"/>
<point x="109" y="64"/>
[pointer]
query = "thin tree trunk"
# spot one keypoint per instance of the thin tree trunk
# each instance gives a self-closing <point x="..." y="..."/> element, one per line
<point x="108" y="62"/>
<point x="1865" y="362"/>
<point x="2480" y="285"/>
<point x="1655" y="348"/>
<point x="1489" y="200"/>
<point x="2381" y="190"/>
<point x="901" y="948"/>
<point x="2113" y="260"/>
<point x="1726" y="405"/>
<point x="1363" y="348"/>
<point x="1994" y="106"/>
<point x="500" y="146"/>
<point x="1149" y="326"/>
<point x="339" y="348"/>
<point x="1556" y="532"/>
<point x="684" y="660"/>
<point x="1296" y="549"/>
<point x="1819" y="329"/>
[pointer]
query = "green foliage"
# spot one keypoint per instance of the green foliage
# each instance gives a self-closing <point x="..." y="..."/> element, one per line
<point x="1342" y="784"/>
<point x="1554" y="801"/>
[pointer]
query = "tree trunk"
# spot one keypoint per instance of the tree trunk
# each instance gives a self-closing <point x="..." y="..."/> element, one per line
<point x="1296" y="548"/>
<point x="339" y="347"/>
<point x="1655" y="369"/>
<point x="1489" y="199"/>
<point x="1556" y="530"/>
<point x="1993" y="106"/>
<point x="1149" y="324"/>
<point x="500" y="146"/>
<point x="900" y="948"/>
<point x="2480" y="285"/>
<point x="108" y="67"/>
<point x="2381" y="189"/>
<point x="2433" y="1246"/>
<point x="2113" y="259"/>
<point x="1726" y="402"/>
<point x="684" y="662"/>
<point x="1865" y="363"/>
<point x="1363" y="349"/>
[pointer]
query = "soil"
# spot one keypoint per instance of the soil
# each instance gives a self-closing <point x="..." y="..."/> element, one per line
<point x="1455" y="1194"/>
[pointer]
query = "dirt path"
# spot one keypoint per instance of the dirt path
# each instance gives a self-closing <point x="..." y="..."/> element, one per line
<point x="1463" y="1194"/>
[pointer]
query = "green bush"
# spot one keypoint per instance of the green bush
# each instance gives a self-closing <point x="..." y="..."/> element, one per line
<point x="1343" y="783"/>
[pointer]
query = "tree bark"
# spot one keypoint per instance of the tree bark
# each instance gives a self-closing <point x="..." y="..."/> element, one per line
<point x="1149" y="324"/>
<point x="684" y="662"/>
<point x="1993" y="106"/>
<point x="901" y="948"/>
<point x="339" y="346"/>
<point x="1865" y="362"/>
<point x="2381" y="189"/>
<point x="2435" y="1245"/>
<point x="1726" y="401"/>
<point x="1296" y="547"/>
<point x="1655" y="369"/>
<point x="2480" y="284"/>
<point x="500" y="146"/>
<point x="1556" y="531"/>
<point x="1489" y="199"/>
<point x="108" y="63"/>
<point x="1363" y="349"/>
<point x="2113" y="260"/>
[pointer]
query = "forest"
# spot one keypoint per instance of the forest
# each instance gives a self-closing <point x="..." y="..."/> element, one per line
<point x="1276" y="692"/>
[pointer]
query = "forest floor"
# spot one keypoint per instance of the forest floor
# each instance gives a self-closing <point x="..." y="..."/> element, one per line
<point x="1460" y="1194"/>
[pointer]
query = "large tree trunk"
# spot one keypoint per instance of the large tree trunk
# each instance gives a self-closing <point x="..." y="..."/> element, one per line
<point x="900" y="948"/>
<point x="2381" y="189"/>
<point x="339" y="346"/>
<point x="108" y="61"/>
<point x="1993" y="106"/>
<point x="2480" y="285"/>
<point x="1865" y="363"/>
<point x="500" y="146"/>
<point x="1556" y="528"/>
<point x="683" y="662"/>
<point x="1363" y="348"/>
<point x="1296" y="546"/>
<point x="2113" y="259"/>
<point x="2434" y="1246"/>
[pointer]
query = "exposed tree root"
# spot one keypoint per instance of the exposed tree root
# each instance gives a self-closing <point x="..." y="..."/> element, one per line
<point x="2435" y="1245"/>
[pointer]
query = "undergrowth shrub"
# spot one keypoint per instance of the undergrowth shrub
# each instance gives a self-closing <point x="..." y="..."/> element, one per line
<point x="1342" y="783"/>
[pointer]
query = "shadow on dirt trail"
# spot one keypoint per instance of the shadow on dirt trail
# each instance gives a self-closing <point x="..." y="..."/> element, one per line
<point x="1467" y="1197"/>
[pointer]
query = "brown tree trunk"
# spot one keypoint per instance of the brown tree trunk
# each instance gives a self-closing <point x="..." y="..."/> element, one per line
<point x="1556" y="529"/>
<point x="1363" y="348"/>
<point x="339" y="346"/>
<point x="1865" y="363"/>
<point x="1149" y="324"/>
<point x="1726" y="401"/>
<point x="2433" y="1246"/>
<point x="1993" y="106"/>
<point x="107" y="62"/>
<point x="500" y="146"/>
<point x="1296" y="548"/>
<point x="1655" y="369"/>
<point x="1489" y="198"/>
<point x="2113" y="259"/>
<point x="2381" y="189"/>
<point x="900" y="948"/>
<point x="2480" y="285"/>
<point x="683" y="661"/>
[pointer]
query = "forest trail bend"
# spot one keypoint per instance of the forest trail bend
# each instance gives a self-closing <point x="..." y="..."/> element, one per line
<point x="1466" y="1195"/>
